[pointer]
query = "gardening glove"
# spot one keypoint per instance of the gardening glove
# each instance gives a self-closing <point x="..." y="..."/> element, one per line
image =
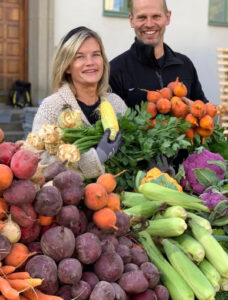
<point x="107" y="149"/>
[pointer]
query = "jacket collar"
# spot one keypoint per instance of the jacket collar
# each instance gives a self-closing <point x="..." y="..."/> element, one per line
<point x="145" y="54"/>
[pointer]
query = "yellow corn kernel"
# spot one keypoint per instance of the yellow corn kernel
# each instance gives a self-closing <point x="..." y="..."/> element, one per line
<point x="109" y="119"/>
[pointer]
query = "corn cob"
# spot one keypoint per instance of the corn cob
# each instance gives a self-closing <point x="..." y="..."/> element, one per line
<point x="213" y="250"/>
<point x="109" y="119"/>
<point x="166" y="227"/>
<point x="191" y="247"/>
<point x="201" y="221"/>
<point x="175" y="211"/>
<point x="178" y="288"/>
<point x="189" y="271"/>
<point x="146" y="210"/>
<point x="224" y="284"/>
<point x="153" y="191"/>
<point x="211" y="273"/>
<point x="130" y="199"/>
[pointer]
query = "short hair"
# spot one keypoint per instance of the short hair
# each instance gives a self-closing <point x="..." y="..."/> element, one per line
<point x="65" y="54"/>
<point x="164" y="6"/>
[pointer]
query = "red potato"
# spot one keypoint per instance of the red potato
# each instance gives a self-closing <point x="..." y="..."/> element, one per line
<point x="88" y="247"/>
<point x="147" y="295"/>
<point x="151" y="273"/>
<point x="134" y="282"/>
<point x="71" y="187"/>
<point x="109" y="267"/>
<point x="81" y="290"/>
<point x="69" y="271"/>
<point x="68" y="216"/>
<point x="58" y="243"/>
<point x="103" y="291"/>
<point x="7" y="150"/>
<point x="20" y="192"/>
<point x="48" y="201"/>
<point x="24" y="216"/>
<point x="91" y="278"/>
<point x="64" y="292"/>
<point x="24" y="164"/>
<point x="42" y="266"/>
<point x="161" y="292"/>
<point x="138" y="256"/>
<point x="30" y="234"/>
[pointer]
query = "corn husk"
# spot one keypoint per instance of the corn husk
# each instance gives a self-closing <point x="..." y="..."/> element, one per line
<point x="35" y="140"/>
<point x="50" y="134"/>
<point x="69" y="153"/>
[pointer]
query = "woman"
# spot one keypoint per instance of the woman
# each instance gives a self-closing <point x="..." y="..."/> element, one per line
<point x="80" y="80"/>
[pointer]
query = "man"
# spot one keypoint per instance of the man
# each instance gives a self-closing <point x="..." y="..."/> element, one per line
<point x="150" y="64"/>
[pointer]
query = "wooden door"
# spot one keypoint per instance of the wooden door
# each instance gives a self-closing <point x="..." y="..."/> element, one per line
<point x="13" y="43"/>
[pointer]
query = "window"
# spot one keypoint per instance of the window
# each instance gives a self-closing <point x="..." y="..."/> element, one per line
<point x="218" y="12"/>
<point x="116" y="8"/>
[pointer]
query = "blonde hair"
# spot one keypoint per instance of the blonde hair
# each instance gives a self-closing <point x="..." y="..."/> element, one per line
<point x="65" y="53"/>
<point x="164" y="6"/>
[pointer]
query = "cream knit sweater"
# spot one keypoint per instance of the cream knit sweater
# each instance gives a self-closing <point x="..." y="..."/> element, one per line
<point x="89" y="165"/>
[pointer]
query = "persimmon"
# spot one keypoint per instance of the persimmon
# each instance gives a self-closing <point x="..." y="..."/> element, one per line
<point x="192" y="120"/>
<point x="198" y="109"/>
<point x="206" y="122"/>
<point x="166" y="92"/>
<point x="179" y="108"/>
<point x="211" y="109"/>
<point x="151" y="108"/>
<point x="180" y="90"/>
<point x="153" y="96"/>
<point x="163" y="105"/>
<point x="173" y="84"/>
<point x="6" y="176"/>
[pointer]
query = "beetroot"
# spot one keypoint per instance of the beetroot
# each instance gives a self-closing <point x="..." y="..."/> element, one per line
<point x="134" y="282"/>
<point x="58" y="243"/>
<point x="161" y="292"/>
<point x="91" y="278"/>
<point x="71" y="187"/>
<point x="109" y="266"/>
<point x="68" y="216"/>
<point x="7" y="150"/>
<point x="122" y="223"/>
<point x="88" y="247"/>
<point x="47" y="227"/>
<point x="30" y="234"/>
<point x="151" y="272"/>
<point x="130" y="267"/>
<point x="123" y="240"/>
<point x="5" y="247"/>
<point x="48" y="201"/>
<point x="42" y="266"/>
<point x="69" y="271"/>
<point x="35" y="247"/>
<point x="81" y="290"/>
<point x="107" y="246"/>
<point x="64" y="292"/>
<point x="20" y="192"/>
<point x="147" y="295"/>
<point x="138" y="256"/>
<point x="80" y="227"/>
<point x="24" y="216"/>
<point x="24" y="164"/>
<point x="119" y="292"/>
<point x="124" y="252"/>
<point x="110" y="237"/>
<point x="103" y="291"/>
<point x="53" y="169"/>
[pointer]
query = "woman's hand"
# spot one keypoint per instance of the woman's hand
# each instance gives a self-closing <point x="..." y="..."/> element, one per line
<point x="107" y="149"/>
<point x="187" y="101"/>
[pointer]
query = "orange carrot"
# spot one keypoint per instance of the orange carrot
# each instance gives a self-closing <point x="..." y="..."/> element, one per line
<point x="5" y="270"/>
<point x="19" y="253"/>
<point x="19" y="284"/>
<point x="45" y="220"/>
<point x="18" y="275"/>
<point x="113" y="202"/>
<point x="7" y="291"/>
<point x="23" y="298"/>
<point x="105" y="218"/>
<point x="33" y="282"/>
<point x="35" y="294"/>
<point x="2" y="297"/>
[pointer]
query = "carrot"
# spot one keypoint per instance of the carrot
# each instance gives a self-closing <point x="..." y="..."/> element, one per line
<point x="5" y="270"/>
<point x="105" y="218"/>
<point x="45" y="220"/>
<point x="33" y="282"/>
<point x="2" y="297"/>
<point x="19" y="284"/>
<point x="19" y="253"/>
<point x="7" y="291"/>
<point x="18" y="275"/>
<point x="22" y="298"/>
<point x="3" y="208"/>
<point x="35" y="294"/>
<point x="113" y="202"/>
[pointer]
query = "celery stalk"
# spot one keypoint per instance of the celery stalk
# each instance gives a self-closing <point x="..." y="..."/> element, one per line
<point x="189" y="271"/>
<point x="177" y="286"/>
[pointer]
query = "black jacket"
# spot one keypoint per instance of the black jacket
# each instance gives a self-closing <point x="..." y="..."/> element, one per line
<point x="138" y="69"/>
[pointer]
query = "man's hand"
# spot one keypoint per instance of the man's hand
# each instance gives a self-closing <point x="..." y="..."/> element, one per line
<point x="187" y="101"/>
<point x="107" y="149"/>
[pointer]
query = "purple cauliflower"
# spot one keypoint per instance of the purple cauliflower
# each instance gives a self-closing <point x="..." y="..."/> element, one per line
<point x="211" y="198"/>
<point x="199" y="161"/>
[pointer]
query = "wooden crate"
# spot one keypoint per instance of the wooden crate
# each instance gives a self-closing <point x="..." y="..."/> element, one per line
<point x="222" y="57"/>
